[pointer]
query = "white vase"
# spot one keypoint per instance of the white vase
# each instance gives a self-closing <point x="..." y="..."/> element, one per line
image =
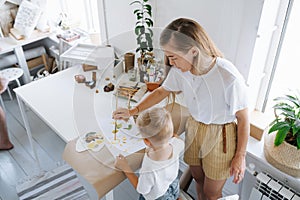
<point x="284" y="157"/>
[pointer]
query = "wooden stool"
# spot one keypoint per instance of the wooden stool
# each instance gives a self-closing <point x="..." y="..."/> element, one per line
<point x="11" y="74"/>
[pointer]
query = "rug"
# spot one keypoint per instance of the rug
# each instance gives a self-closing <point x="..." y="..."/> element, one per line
<point x="60" y="183"/>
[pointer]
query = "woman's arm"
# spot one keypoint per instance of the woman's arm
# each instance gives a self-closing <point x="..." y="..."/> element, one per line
<point x="238" y="164"/>
<point x="155" y="97"/>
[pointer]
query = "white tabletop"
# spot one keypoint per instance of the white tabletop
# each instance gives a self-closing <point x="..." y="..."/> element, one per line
<point x="69" y="108"/>
<point x="51" y="98"/>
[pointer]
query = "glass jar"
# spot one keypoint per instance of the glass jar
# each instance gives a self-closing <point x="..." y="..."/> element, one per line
<point x="132" y="74"/>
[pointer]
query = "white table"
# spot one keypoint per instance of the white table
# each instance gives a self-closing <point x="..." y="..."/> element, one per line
<point x="71" y="112"/>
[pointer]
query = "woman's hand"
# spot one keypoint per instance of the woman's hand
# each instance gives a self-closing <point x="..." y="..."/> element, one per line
<point x="121" y="113"/>
<point x="238" y="166"/>
<point x="122" y="163"/>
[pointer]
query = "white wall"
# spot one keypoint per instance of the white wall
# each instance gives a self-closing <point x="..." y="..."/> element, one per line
<point x="232" y="24"/>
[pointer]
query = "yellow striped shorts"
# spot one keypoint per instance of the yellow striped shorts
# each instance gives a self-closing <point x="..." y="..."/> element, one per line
<point x="212" y="146"/>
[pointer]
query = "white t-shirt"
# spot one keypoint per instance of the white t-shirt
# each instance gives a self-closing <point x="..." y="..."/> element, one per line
<point x="212" y="98"/>
<point x="156" y="176"/>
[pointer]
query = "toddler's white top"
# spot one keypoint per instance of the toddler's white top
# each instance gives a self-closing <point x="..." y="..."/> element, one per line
<point x="156" y="176"/>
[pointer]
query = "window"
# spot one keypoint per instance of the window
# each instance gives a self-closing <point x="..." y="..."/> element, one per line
<point x="275" y="53"/>
<point x="81" y="14"/>
<point x="287" y="71"/>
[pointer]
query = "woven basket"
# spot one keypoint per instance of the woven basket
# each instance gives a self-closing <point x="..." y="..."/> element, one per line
<point x="284" y="157"/>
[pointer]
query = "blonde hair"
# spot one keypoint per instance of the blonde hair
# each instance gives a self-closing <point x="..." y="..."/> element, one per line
<point x="155" y="124"/>
<point x="187" y="33"/>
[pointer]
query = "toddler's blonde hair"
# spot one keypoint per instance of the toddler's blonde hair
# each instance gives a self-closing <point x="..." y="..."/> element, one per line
<point x="155" y="124"/>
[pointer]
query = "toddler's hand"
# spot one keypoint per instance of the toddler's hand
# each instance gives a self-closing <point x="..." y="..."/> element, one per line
<point x="121" y="113"/>
<point x="121" y="163"/>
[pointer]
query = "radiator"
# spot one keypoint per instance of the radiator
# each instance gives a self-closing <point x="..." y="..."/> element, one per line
<point x="268" y="188"/>
<point x="262" y="181"/>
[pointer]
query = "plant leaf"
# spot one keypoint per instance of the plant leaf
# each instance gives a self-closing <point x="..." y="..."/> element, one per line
<point x="298" y="141"/>
<point x="283" y="106"/>
<point x="293" y="99"/>
<point x="136" y="11"/>
<point x="150" y="31"/>
<point x="134" y="2"/>
<point x="148" y="20"/>
<point x="296" y="127"/>
<point x="139" y="16"/>
<point x="289" y="98"/>
<point x="148" y="9"/>
<point x="142" y="28"/>
<point x="273" y="122"/>
<point x="148" y="37"/>
<point x="278" y="126"/>
<point x="143" y="45"/>
<point x="137" y="30"/>
<point x="280" y="136"/>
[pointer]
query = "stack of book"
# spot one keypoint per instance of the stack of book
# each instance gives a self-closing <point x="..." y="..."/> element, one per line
<point x="69" y="35"/>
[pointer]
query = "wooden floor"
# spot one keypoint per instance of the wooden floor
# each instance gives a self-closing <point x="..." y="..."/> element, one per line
<point x="18" y="163"/>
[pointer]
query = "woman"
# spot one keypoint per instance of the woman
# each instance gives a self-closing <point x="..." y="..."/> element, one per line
<point x="215" y="94"/>
<point x="5" y="143"/>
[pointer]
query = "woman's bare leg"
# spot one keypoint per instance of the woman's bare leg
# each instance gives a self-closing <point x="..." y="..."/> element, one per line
<point x="5" y="143"/>
<point x="213" y="188"/>
<point x="198" y="176"/>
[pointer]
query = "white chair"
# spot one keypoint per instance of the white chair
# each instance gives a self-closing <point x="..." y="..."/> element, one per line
<point x="11" y="74"/>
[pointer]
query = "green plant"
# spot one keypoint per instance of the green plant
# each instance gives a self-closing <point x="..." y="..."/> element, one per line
<point x="143" y="26"/>
<point x="287" y="121"/>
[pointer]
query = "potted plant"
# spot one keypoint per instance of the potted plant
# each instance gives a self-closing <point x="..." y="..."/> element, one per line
<point x="283" y="148"/>
<point x="144" y="36"/>
<point x="143" y="27"/>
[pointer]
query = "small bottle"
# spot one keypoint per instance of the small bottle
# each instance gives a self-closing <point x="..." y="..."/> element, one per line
<point x="132" y="74"/>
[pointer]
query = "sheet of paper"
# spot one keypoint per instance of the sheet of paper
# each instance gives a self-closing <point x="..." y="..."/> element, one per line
<point x="90" y="141"/>
<point x="128" y="140"/>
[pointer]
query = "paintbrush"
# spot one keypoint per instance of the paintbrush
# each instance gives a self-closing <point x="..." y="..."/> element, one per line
<point x="129" y="98"/>
<point x="115" y="136"/>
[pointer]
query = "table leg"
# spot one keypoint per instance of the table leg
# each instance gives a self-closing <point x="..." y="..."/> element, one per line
<point x="9" y="93"/>
<point x="22" y="62"/>
<point x="28" y="131"/>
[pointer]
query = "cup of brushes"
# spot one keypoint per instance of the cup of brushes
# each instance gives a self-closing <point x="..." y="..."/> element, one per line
<point x="153" y="78"/>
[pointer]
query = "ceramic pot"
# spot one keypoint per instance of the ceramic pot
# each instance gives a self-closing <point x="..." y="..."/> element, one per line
<point x="129" y="61"/>
<point x="284" y="157"/>
<point x="152" y="85"/>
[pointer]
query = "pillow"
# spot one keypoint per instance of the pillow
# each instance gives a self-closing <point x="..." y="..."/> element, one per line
<point x="7" y="16"/>
<point x="27" y="18"/>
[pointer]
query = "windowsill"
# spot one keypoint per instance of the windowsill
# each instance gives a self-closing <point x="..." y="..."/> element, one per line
<point x="258" y="123"/>
<point x="255" y="148"/>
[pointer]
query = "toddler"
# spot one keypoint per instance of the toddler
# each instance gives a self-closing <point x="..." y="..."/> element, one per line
<point x="159" y="170"/>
